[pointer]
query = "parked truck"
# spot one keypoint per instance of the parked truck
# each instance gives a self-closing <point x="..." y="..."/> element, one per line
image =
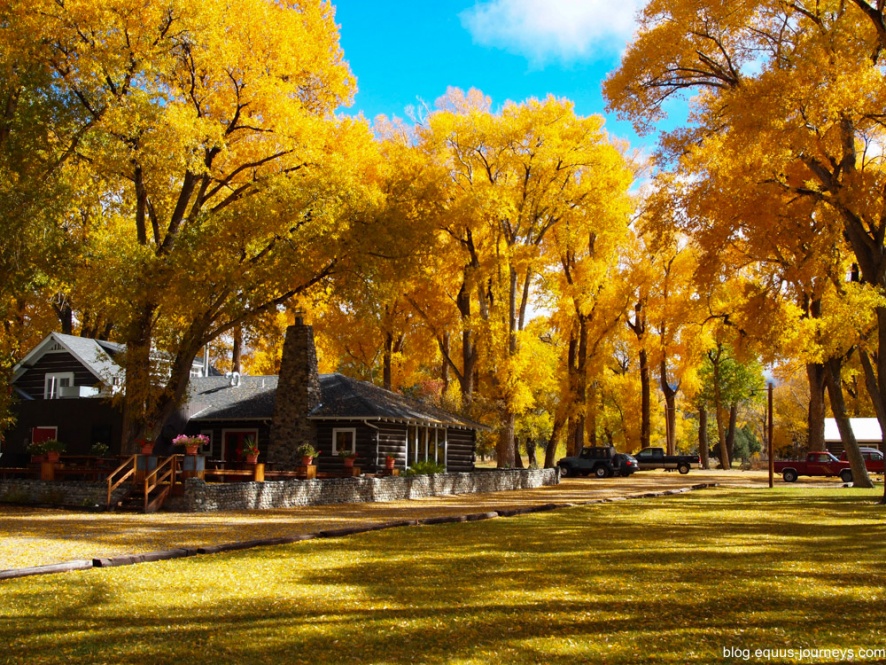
<point x="873" y="459"/>
<point x="601" y="461"/>
<point x="655" y="458"/>
<point x="818" y="463"/>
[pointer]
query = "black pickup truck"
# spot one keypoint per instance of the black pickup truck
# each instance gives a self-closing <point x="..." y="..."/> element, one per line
<point x="655" y="458"/>
<point x="602" y="461"/>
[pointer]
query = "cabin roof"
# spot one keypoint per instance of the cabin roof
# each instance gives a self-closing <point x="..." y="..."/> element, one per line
<point x="343" y="398"/>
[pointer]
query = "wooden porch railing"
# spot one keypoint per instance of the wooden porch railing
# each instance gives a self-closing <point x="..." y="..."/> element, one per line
<point x="120" y="475"/>
<point x="160" y="480"/>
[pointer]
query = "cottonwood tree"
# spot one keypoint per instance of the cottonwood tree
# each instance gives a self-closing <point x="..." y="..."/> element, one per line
<point x="212" y="126"/>
<point x="795" y="87"/>
<point x="515" y="176"/>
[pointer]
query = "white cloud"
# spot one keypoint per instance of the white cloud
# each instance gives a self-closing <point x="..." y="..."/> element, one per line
<point x="546" y="30"/>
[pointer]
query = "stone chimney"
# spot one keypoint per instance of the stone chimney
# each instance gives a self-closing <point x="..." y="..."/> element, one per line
<point x="298" y="392"/>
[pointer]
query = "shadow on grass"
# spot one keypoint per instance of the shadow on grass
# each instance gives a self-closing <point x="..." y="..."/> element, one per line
<point x="671" y="580"/>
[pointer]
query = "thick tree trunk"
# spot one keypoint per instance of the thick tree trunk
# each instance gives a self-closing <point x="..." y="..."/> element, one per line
<point x="815" y="375"/>
<point x="703" y="446"/>
<point x="138" y="381"/>
<point x="860" y="476"/>
<point x="505" y="448"/>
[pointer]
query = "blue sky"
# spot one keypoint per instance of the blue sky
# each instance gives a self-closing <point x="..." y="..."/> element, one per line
<point x="406" y="53"/>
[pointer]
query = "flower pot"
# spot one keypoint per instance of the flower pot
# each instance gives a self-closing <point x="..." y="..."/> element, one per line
<point x="191" y="450"/>
<point x="38" y="459"/>
<point x="389" y="463"/>
<point x="147" y="448"/>
<point x="53" y="456"/>
<point x="252" y="458"/>
<point x="306" y="461"/>
<point x="349" y="462"/>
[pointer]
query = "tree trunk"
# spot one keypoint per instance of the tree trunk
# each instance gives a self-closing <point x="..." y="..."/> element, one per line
<point x="137" y="364"/>
<point x="860" y="476"/>
<point x="551" y="447"/>
<point x="703" y="446"/>
<point x="730" y="433"/>
<point x="645" y="401"/>
<point x="518" y="461"/>
<point x="530" y="453"/>
<point x="236" y="351"/>
<point x="387" y="373"/>
<point x="815" y="374"/>
<point x="670" y="396"/>
<point x="505" y="448"/>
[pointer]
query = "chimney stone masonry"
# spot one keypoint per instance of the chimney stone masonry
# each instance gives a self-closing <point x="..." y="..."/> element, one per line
<point x="298" y="393"/>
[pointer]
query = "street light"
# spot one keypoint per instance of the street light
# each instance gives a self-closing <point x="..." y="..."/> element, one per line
<point x="769" y="385"/>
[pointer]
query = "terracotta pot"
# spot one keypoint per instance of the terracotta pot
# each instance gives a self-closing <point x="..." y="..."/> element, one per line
<point x="252" y="458"/>
<point x="147" y="449"/>
<point x="306" y="461"/>
<point x="389" y="463"/>
<point x="191" y="450"/>
<point x="53" y="456"/>
<point x="349" y="462"/>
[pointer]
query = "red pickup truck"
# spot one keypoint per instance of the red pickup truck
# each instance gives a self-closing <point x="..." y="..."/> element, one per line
<point x="816" y="464"/>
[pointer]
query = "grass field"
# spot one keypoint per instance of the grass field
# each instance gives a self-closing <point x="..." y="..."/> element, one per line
<point x="671" y="580"/>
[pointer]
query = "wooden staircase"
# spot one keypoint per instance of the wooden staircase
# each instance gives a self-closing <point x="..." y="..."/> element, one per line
<point x="147" y="493"/>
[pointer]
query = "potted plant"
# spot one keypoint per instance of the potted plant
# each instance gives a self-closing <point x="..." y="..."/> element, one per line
<point x="147" y="446"/>
<point x="308" y="453"/>
<point x="390" y="460"/>
<point x="98" y="449"/>
<point x="37" y="452"/>
<point x="349" y="456"/>
<point x="53" y="448"/>
<point x="191" y="443"/>
<point x="250" y="450"/>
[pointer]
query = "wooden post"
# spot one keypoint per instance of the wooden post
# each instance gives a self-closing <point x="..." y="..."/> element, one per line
<point x="259" y="473"/>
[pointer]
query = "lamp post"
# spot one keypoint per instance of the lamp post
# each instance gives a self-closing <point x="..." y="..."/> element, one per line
<point x="769" y="450"/>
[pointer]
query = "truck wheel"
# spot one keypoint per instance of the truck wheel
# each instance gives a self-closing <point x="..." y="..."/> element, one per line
<point x="846" y="476"/>
<point x="601" y="472"/>
<point x="789" y="475"/>
<point x="565" y="471"/>
<point x="683" y="468"/>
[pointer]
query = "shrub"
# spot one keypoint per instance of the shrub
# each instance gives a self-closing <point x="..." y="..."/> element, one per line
<point x="425" y="468"/>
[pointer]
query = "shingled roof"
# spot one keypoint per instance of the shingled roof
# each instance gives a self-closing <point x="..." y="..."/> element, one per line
<point x="344" y="398"/>
<point x="216" y="398"/>
<point x="95" y="355"/>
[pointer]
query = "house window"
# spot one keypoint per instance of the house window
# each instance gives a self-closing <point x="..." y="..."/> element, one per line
<point x="53" y="382"/>
<point x="209" y="448"/>
<point x="344" y="439"/>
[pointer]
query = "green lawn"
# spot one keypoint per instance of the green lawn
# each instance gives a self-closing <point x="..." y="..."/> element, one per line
<point x="670" y="580"/>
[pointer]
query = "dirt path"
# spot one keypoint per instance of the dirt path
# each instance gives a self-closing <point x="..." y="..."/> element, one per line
<point x="36" y="537"/>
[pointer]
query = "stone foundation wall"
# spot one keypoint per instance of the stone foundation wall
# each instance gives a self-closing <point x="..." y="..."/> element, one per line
<point x="201" y="497"/>
<point x="57" y="493"/>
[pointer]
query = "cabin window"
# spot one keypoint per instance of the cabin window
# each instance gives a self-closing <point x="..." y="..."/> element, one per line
<point x="425" y="444"/>
<point x="344" y="439"/>
<point x="53" y="382"/>
<point x="210" y="449"/>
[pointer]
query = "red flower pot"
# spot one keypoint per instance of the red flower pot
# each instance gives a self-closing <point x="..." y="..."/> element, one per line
<point x="53" y="456"/>
<point x="252" y="458"/>
<point x="191" y="450"/>
<point x="389" y="463"/>
<point x="147" y="448"/>
<point x="349" y="462"/>
<point x="306" y="461"/>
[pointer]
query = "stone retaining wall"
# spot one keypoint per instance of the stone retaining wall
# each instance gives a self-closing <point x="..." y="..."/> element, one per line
<point x="68" y="494"/>
<point x="201" y="497"/>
